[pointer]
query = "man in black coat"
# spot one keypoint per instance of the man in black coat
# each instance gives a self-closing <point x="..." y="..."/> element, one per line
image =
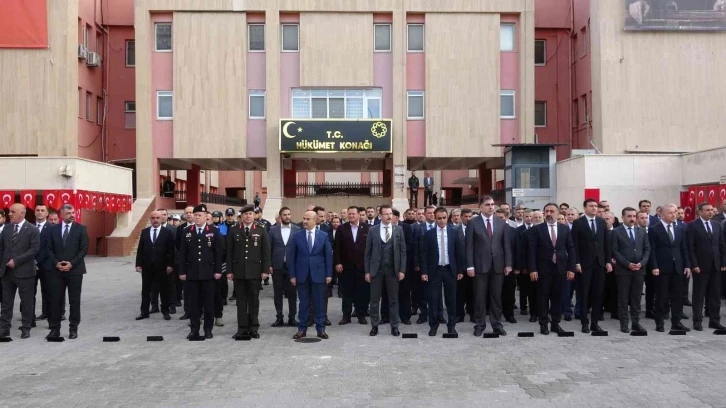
<point x="707" y="251"/>
<point x="248" y="262"/>
<point x="66" y="254"/>
<point x="155" y="261"/>
<point x="41" y="260"/>
<point x="592" y="261"/>
<point x="200" y="264"/>
<point x="19" y="244"/>
<point x="348" y="258"/>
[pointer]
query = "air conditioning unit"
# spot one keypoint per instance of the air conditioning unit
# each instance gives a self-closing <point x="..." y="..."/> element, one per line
<point x="82" y="51"/>
<point x="93" y="60"/>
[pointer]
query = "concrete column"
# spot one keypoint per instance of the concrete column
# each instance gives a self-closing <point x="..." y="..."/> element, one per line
<point x="249" y="185"/>
<point x="400" y="154"/>
<point x="273" y="202"/>
<point x="193" y="197"/>
<point x="485" y="181"/>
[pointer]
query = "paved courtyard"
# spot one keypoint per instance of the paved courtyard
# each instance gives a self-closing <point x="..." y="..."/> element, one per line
<point x="349" y="369"/>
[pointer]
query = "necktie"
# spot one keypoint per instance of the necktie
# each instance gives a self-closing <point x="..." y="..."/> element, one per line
<point x="15" y="233"/>
<point x="670" y="233"/>
<point x="553" y="237"/>
<point x="630" y="232"/>
<point x="38" y="225"/>
<point x="489" y="228"/>
<point x="388" y="234"/>
<point x="430" y="226"/>
<point x="592" y="226"/>
<point x="708" y="229"/>
<point x="442" y="244"/>
<point x="247" y="231"/>
<point x="153" y="238"/>
<point x="199" y="231"/>
<point x="65" y="232"/>
<point x="310" y="241"/>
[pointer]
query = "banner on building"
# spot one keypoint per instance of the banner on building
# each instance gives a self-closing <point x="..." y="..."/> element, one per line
<point x="24" y="24"/>
<point x="675" y="15"/>
<point x="335" y="136"/>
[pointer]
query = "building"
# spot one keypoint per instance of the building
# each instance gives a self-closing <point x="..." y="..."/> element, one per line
<point x="232" y="98"/>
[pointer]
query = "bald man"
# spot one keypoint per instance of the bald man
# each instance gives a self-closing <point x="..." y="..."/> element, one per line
<point x="155" y="261"/>
<point x="19" y="244"/>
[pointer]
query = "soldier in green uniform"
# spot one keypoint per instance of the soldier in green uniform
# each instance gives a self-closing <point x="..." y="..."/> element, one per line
<point x="200" y="264"/>
<point x="248" y="261"/>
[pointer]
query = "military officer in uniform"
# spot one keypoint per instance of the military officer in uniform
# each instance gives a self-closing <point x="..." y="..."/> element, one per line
<point x="200" y="265"/>
<point x="248" y="262"/>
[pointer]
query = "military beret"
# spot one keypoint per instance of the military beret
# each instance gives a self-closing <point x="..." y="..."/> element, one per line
<point x="247" y="208"/>
<point x="229" y="211"/>
<point x="216" y="213"/>
<point x="200" y="208"/>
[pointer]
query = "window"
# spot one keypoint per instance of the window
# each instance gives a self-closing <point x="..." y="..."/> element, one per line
<point x="583" y="42"/>
<point x="506" y="37"/>
<point x="162" y="33"/>
<point x="585" y="117"/>
<point x="382" y="37"/>
<point x="99" y="111"/>
<point x="506" y="101"/>
<point x="540" y="52"/>
<point x="540" y="114"/>
<point x="86" y="32"/>
<point x="257" y="104"/>
<point x="415" y="38"/>
<point x="256" y="37"/>
<point x="99" y="43"/>
<point x="415" y="105"/>
<point x="130" y="53"/>
<point x="88" y="106"/>
<point x="164" y="105"/>
<point x="80" y="102"/>
<point x="130" y="115"/>
<point x="336" y="103"/>
<point x="290" y="38"/>
<point x="575" y="113"/>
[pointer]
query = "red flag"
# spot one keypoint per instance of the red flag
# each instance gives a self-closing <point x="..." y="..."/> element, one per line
<point x="129" y="203"/>
<point x="27" y="198"/>
<point x="593" y="193"/>
<point x="50" y="199"/>
<point x="78" y="214"/>
<point x="111" y="203"/>
<point x="94" y="201"/>
<point x="687" y="206"/>
<point x="721" y="194"/>
<point x="124" y="203"/>
<point x="64" y="197"/>
<point x="8" y="198"/>
<point x="101" y="204"/>
<point x="78" y="198"/>
<point x="711" y="195"/>
<point x="87" y="203"/>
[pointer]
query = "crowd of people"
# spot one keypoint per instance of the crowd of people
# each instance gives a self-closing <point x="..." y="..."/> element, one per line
<point x="389" y="267"/>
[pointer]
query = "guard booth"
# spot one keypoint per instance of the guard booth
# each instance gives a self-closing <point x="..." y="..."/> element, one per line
<point x="530" y="174"/>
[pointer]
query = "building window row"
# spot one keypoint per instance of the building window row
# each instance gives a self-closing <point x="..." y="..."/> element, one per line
<point x="290" y="41"/>
<point x="336" y="103"/>
<point x="85" y="107"/>
<point x="130" y="115"/>
<point x="165" y="107"/>
<point x="506" y="102"/>
<point x="130" y="53"/>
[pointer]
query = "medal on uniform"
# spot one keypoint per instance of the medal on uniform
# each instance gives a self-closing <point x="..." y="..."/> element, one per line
<point x="209" y="243"/>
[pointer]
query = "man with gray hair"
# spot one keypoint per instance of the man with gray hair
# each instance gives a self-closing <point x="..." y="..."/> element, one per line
<point x="19" y="243"/>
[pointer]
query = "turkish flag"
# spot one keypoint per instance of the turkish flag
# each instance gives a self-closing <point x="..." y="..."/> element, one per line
<point x="692" y="196"/>
<point x="64" y="197"/>
<point x="101" y="204"/>
<point x="721" y="193"/>
<point x="27" y="198"/>
<point x="687" y="206"/>
<point x="51" y="199"/>
<point x="87" y="203"/>
<point x="129" y="203"/>
<point x="123" y="204"/>
<point x="111" y="203"/>
<point x="78" y="196"/>
<point x="78" y="214"/>
<point x="8" y="198"/>
<point x="700" y="195"/>
<point x="593" y="193"/>
<point x="711" y="195"/>
<point x="94" y="201"/>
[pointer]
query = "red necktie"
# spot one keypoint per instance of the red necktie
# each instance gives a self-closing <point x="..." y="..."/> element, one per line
<point x="489" y="228"/>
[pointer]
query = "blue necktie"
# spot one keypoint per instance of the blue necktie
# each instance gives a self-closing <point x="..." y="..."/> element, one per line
<point x="310" y="241"/>
<point x="632" y="238"/>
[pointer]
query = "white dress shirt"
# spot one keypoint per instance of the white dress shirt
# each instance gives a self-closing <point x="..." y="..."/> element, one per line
<point x="40" y="225"/>
<point x="707" y="225"/>
<point x="443" y="253"/>
<point x="285" y="232"/>
<point x="354" y="231"/>
<point x="151" y="232"/>
<point x="383" y="231"/>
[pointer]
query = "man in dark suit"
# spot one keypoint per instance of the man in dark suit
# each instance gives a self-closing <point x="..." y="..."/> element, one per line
<point x="592" y="260"/>
<point x="324" y="227"/>
<point x="527" y="289"/>
<point x="428" y="189"/>
<point x="155" y="262"/>
<point x="188" y="220"/>
<point x="443" y="265"/>
<point x="349" y="256"/>
<point x="644" y="206"/>
<point x="171" y="277"/>
<point x="385" y="264"/>
<point x="464" y="286"/>
<point x="488" y="261"/>
<point x="280" y="241"/>
<point x="310" y="262"/>
<point x="248" y="263"/>
<point x="669" y="261"/>
<point x="41" y="260"/>
<point x="201" y="254"/>
<point x="707" y="250"/>
<point x="631" y="250"/>
<point x="66" y="254"/>
<point x="404" y="286"/>
<point x="551" y="261"/>
<point x="19" y="244"/>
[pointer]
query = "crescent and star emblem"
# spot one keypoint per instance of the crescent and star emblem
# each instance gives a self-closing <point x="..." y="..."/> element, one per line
<point x="51" y="197"/>
<point x="27" y="197"/>
<point x="286" y="133"/>
<point x="65" y="197"/>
